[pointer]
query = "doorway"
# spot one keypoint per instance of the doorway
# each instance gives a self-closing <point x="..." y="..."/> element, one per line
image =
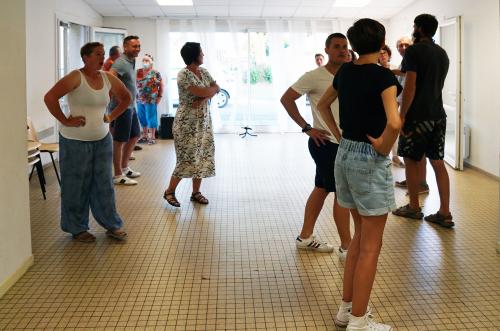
<point x="450" y="38"/>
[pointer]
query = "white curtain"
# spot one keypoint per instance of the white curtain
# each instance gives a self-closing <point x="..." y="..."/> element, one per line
<point x="162" y="60"/>
<point x="286" y="48"/>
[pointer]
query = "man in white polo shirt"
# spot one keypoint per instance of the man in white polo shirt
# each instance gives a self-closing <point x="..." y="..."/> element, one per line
<point x="322" y="146"/>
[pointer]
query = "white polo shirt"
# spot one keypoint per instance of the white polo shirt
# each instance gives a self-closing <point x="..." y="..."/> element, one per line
<point x="314" y="83"/>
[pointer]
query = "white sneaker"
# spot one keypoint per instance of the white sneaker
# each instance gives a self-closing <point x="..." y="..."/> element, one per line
<point x="365" y="323"/>
<point x="342" y="254"/>
<point x="342" y="317"/>
<point x="312" y="244"/>
<point x="130" y="173"/>
<point x="123" y="180"/>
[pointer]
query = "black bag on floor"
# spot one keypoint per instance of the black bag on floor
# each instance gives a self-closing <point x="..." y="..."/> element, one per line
<point x="166" y="122"/>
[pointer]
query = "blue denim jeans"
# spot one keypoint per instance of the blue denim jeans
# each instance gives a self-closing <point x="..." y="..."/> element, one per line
<point x="87" y="181"/>
<point x="364" y="179"/>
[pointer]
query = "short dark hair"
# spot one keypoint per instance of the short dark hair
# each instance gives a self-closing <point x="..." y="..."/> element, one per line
<point x="88" y="48"/>
<point x="427" y="23"/>
<point x="190" y="52"/>
<point x="114" y="50"/>
<point x="366" y="36"/>
<point x="318" y="54"/>
<point x="387" y="49"/>
<point x="129" y="38"/>
<point x="333" y="35"/>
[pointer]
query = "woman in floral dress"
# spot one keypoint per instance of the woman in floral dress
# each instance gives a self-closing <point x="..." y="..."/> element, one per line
<point x="193" y="134"/>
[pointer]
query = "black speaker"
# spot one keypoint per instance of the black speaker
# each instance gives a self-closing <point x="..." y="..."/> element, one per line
<point x="166" y="122"/>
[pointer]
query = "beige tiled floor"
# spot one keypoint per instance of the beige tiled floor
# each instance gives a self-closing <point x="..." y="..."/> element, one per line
<point x="232" y="265"/>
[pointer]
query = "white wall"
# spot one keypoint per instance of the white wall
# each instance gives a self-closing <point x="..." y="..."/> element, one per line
<point x="145" y="28"/>
<point x="15" y="238"/>
<point x="481" y="74"/>
<point x="42" y="49"/>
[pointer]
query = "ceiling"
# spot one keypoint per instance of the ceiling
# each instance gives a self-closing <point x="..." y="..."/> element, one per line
<point x="377" y="9"/>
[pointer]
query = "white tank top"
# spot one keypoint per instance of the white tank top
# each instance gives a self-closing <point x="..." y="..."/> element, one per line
<point x="90" y="103"/>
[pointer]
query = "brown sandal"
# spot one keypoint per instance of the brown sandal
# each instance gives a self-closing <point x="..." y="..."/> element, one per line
<point x="171" y="199"/>
<point x="117" y="234"/>
<point x="198" y="197"/>
<point x="84" y="237"/>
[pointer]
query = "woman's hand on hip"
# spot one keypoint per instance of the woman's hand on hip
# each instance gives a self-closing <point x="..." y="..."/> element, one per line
<point x="76" y="121"/>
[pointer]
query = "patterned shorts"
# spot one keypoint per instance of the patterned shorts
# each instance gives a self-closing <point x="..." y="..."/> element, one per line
<point x="423" y="138"/>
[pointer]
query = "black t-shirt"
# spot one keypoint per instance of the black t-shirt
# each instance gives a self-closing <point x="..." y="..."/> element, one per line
<point x="431" y="63"/>
<point x="361" y="108"/>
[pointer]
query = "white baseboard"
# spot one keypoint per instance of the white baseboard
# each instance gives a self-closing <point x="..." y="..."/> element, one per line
<point x="12" y="279"/>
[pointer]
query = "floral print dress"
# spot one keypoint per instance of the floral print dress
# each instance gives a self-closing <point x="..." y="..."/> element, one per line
<point x="192" y="129"/>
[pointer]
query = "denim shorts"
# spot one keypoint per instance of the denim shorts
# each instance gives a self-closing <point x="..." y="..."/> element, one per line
<point x="364" y="179"/>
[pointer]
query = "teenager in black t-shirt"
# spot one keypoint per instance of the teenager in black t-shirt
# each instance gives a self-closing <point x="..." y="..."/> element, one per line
<point x="370" y="122"/>
<point x="426" y="65"/>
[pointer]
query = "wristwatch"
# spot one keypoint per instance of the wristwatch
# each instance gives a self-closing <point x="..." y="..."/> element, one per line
<point x="306" y="127"/>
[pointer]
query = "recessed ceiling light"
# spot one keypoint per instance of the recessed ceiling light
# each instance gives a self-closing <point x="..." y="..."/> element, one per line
<point x="175" y="2"/>
<point x="351" y="3"/>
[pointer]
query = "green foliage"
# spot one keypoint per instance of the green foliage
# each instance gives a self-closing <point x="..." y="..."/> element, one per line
<point x="259" y="74"/>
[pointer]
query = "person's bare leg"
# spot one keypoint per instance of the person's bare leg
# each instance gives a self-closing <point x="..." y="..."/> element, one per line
<point x="422" y="170"/>
<point x="342" y="221"/>
<point x="370" y="244"/>
<point x="117" y="156"/>
<point x="412" y="182"/>
<point x="352" y="258"/>
<point x="313" y="208"/>
<point x="172" y="186"/>
<point x="196" y="184"/>
<point x="153" y="133"/>
<point x="127" y="151"/>
<point x="443" y="184"/>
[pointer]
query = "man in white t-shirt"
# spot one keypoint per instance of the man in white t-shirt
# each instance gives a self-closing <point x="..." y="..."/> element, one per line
<point x="322" y="146"/>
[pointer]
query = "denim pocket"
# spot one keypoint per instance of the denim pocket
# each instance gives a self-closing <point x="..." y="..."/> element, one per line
<point x="359" y="178"/>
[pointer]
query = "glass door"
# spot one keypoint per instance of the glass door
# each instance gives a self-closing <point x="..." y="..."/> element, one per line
<point x="450" y="38"/>
<point x="109" y="37"/>
<point x="70" y="38"/>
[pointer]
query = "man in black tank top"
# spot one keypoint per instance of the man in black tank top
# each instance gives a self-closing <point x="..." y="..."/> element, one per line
<point x="426" y="65"/>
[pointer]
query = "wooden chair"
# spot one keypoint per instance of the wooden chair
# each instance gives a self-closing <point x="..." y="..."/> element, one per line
<point x="34" y="160"/>
<point x="50" y="148"/>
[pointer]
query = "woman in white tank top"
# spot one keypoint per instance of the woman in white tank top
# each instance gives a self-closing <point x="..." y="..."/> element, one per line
<point x="85" y="155"/>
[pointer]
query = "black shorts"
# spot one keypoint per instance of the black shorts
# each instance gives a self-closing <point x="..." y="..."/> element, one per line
<point x="126" y="126"/>
<point x="423" y="138"/>
<point x="324" y="157"/>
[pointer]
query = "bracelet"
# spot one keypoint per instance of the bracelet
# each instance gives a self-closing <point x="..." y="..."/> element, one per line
<point x="306" y="128"/>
